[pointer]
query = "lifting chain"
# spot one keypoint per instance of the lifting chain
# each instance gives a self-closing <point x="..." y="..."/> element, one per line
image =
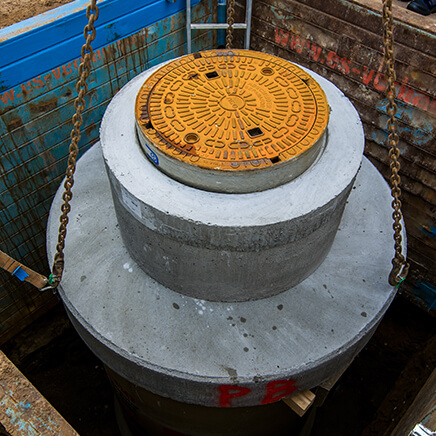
<point x="9" y="264"/>
<point x="230" y="22"/>
<point x="89" y="33"/>
<point x="400" y="267"/>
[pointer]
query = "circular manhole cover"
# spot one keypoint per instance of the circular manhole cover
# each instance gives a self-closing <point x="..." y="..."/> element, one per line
<point x="212" y="118"/>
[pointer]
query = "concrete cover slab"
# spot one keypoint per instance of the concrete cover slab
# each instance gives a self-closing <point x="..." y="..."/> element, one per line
<point x="223" y="354"/>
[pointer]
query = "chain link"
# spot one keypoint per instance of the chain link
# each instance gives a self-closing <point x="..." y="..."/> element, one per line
<point x="230" y="22"/>
<point x="89" y="34"/>
<point x="400" y="267"/>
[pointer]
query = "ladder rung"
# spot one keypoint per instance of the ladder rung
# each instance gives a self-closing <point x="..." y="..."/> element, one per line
<point x="246" y="26"/>
<point x="217" y="26"/>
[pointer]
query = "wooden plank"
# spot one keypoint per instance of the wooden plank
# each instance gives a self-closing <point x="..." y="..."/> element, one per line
<point x="415" y="113"/>
<point x="422" y="410"/>
<point x="407" y="183"/>
<point x="347" y="57"/>
<point x="371" y="106"/>
<point x="341" y="41"/>
<point x="401" y="14"/>
<point x="415" y="103"/>
<point x="420" y="255"/>
<point x="420" y="249"/>
<point x="24" y="410"/>
<point x="303" y="49"/>
<point x="424" y="179"/>
<point x="300" y="402"/>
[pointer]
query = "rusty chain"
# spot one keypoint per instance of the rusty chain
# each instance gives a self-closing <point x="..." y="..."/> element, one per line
<point x="230" y="22"/>
<point x="89" y="34"/>
<point x="400" y="267"/>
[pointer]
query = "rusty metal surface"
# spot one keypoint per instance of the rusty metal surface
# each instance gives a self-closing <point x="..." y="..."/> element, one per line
<point x="23" y="410"/>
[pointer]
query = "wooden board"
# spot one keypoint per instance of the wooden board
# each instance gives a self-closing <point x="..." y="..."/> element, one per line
<point x="24" y="411"/>
<point x="300" y="402"/>
<point x="422" y="410"/>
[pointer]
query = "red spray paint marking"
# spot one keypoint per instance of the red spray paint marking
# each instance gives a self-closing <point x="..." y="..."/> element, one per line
<point x="349" y="68"/>
<point x="275" y="391"/>
<point x="55" y="74"/>
<point x="228" y="392"/>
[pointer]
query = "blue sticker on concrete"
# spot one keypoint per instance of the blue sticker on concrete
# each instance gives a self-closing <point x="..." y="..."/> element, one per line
<point x="152" y="155"/>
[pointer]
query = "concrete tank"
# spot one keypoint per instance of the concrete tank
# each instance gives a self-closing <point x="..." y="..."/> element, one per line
<point x="225" y="246"/>
<point x="297" y="286"/>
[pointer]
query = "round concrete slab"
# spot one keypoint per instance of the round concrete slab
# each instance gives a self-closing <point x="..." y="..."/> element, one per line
<point x="223" y="354"/>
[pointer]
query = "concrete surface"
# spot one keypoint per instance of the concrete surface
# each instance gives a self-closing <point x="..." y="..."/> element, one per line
<point x="211" y="353"/>
<point x="229" y="247"/>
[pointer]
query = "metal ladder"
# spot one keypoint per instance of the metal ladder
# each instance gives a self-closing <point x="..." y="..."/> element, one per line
<point x="209" y="26"/>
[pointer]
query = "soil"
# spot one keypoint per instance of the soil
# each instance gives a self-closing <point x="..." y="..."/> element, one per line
<point x="368" y="400"/>
<point x="14" y="11"/>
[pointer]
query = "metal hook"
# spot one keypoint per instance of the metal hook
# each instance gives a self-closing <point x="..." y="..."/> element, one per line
<point x="53" y="282"/>
<point x="398" y="274"/>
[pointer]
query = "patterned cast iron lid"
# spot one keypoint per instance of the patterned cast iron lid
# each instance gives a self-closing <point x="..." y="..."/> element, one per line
<point x="230" y="111"/>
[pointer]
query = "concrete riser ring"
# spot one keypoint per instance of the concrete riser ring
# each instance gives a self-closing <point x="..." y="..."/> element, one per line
<point x="229" y="247"/>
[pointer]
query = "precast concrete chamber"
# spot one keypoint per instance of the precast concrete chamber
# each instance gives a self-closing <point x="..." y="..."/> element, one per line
<point x="228" y="246"/>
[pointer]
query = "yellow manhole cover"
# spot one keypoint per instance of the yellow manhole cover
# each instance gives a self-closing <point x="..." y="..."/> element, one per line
<point x="218" y="119"/>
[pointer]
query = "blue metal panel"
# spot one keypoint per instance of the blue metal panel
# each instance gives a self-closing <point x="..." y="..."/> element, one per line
<point x="426" y="293"/>
<point x="25" y="55"/>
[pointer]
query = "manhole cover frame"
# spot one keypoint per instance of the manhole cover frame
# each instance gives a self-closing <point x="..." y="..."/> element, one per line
<point x="219" y="120"/>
